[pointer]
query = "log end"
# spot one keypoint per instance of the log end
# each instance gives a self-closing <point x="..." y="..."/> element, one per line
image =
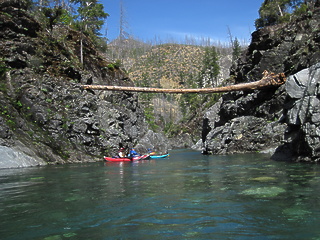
<point x="274" y="79"/>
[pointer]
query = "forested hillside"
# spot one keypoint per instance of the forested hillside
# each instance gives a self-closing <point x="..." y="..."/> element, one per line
<point x="174" y="65"/>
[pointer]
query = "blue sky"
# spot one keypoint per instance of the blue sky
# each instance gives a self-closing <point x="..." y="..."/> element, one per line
<point x="148" y="20"/>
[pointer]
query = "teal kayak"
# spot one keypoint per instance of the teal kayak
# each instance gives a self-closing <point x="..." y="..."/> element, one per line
<point x="159" y="156"/>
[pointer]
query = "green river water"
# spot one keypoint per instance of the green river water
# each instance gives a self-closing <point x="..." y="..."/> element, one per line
<point x="185" y="196"/>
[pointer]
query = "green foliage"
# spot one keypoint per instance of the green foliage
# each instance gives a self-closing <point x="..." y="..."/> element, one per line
<point x="66" y="17"/>
<point x="86" y="16"/>
<point x="210" y="67"/>
<point x="270" y="12"/>
<point x="211" y="99"/>
<point x="148" y="113"/>
<point x="172" y="129"/>
<point x="52" y="15"/>
<point x="190" y="102"/>
<point x="5" y="112"/>
<point x="115" y="65"/>
<point x="274" y="12"/>
<point x="3" y="66"/>
<point x="18" y="104"/>
<point x="173" y="66"/>
<point x="100" y="43"/>
<point x="110" y="66"/>
<point x="301" y="10"/>
<point x="90" y="15"/>
<point x="236" y="50"/>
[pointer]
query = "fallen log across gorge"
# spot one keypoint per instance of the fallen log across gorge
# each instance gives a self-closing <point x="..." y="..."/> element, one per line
<point x="269" y="79"/>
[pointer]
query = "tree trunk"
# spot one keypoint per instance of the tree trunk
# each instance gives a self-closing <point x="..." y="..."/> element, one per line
<point x="81" y="50"/>
<point x="268" y="80"/>
<point x="280" y="11"/>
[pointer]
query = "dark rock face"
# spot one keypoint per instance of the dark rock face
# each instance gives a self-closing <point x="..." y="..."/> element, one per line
<point x="302" y="115"/>
<point x="286" y="48"/>
<point x="155" y="141"/>
<point x="44" y="113"/>
<point x="246" y="124"/>
<point x="285" y="119"/>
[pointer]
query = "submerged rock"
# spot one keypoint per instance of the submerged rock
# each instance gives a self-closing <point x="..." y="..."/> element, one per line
<point x="296" y="213"/>
<point x="263" y="192"/>
<point x="263" y="179"/>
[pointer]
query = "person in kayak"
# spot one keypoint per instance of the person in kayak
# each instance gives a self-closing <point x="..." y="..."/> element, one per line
<point x="150" y="152"/>
<point x="133" y="153"/>
<point x="121" y="153"/>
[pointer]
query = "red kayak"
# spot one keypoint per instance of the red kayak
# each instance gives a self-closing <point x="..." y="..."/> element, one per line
<point x="113" y="159"/>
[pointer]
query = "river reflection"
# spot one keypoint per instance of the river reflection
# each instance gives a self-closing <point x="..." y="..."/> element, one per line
<point x="185" y="196"/>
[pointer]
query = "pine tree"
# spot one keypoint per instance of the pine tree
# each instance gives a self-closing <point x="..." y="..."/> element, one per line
<point x="236" y="50"/>
<point x="52" y="15"/>
<point x="90" y="19"/>
<point x="274" y="12"/>
<point x="91" y="15"/>
<point x="211" y="68"/>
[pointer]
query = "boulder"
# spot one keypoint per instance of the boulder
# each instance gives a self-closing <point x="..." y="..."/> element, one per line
<point x="302" y="115"/>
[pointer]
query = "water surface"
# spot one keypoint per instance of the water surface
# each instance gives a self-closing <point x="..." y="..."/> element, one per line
<point x="185" y="196"/>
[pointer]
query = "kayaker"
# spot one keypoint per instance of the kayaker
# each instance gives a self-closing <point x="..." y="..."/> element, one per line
<point x="121" y="153"/>
<point x="133" y="153"/>
<point x="150" y="152"/>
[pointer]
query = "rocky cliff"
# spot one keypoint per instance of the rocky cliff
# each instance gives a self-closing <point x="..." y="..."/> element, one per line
<point x="45" y="116"/>
<point x="284" y="120"/>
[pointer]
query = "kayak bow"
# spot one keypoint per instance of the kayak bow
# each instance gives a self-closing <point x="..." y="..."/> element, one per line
<point x="159" y="156"/>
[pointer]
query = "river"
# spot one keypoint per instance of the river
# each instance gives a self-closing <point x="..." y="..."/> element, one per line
<point x="185" y="196"/>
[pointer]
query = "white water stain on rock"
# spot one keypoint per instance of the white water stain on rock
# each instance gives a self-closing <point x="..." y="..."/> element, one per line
<point x="15" y="158"/>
